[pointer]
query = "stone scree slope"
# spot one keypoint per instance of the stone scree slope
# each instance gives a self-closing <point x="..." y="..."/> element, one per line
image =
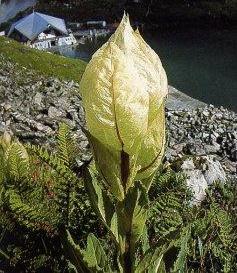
<point x="31" y="107"/>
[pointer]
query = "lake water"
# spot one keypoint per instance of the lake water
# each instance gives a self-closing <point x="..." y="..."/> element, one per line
<point x="202" y="64"/>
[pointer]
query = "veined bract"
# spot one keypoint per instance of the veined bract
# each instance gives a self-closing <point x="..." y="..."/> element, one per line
<point x="123" y="91"/>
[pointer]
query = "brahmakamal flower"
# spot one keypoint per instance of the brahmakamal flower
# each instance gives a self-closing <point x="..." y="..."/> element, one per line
<point x="123" y="91"/>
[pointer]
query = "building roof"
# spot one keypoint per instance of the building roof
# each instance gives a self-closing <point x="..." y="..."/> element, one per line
<point x="35" y="23"/>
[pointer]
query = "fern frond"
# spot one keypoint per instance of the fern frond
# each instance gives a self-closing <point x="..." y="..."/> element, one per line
<point x="66" y="145"/>
<point x="28" y="215"/>
<point x="65" y="184"/>
<point x="17" y="161"/>
<point x="168" y="195"/>
<point x="2" y="167"/>
<point x="180" y="265"/>
<point x="165" y="215"/>
<point x="54" y="162"/>
<point x="214" y="226"/>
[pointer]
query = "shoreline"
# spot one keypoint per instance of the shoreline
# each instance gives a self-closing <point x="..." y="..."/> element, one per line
<point x="178" y="100"/>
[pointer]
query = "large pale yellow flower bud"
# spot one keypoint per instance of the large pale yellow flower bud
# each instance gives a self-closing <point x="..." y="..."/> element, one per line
<point x="123" y="91"/>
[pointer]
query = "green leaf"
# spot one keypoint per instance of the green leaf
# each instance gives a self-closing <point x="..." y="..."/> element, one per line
<point x="107" y="162"/>
<point x="152" y="262"/>
<point x="114" y="227"/>
<point x="180" y="263"/>
<point x="101" y="201"/>
<point x="145" y="240"/>
<point x="132" y="215"/>
<point x="95" y="256"/>
<point x="92" y="259"/>
<point x="161" y="268"/>
<point x="74" y="253"/>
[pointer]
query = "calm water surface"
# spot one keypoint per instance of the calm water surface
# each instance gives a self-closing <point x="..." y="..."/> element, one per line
<point x="203" y="64"/>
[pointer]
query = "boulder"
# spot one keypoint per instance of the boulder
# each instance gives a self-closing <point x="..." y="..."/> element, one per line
<point x="202" y="172"/>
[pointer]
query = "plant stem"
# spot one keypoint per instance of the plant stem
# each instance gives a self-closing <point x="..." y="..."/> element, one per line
<point x="125" y="171"/>
<point x="128" y="264"/>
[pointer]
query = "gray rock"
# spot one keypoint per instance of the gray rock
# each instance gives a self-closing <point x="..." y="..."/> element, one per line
<point x="202" y="172"/>
<point x="38" y="98"/>
<point x="54" y="112"/>
<point x="2" y="128"/>
<point x="196" y="182"/>
<point x="214" y="171"/>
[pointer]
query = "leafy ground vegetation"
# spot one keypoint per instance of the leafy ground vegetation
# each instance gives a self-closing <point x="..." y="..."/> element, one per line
<point x="44" y="196"/>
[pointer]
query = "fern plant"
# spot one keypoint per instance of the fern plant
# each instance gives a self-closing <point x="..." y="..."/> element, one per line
<point x="45" y="205"/>
<point x="40" y="190"/>
<point x="208" y="236"/>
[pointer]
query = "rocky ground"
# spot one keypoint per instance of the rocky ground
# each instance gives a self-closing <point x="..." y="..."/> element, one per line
<point x="204" y="131"/>
<point x="31" y="106"/>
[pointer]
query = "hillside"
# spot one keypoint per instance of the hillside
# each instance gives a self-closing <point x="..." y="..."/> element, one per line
<point x="42" y="63"/>
<point x="38" y="90"/>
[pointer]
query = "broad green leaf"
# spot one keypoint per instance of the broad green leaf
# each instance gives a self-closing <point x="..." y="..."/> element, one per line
<point x="114" y="227"/>
<point x="153" y="258"/>
<point x="152" y="261"/>
<point x="108" y="164"/>
<point x="92" y="259"/>
<point x="161" y="268"/>
<point x="101" y="201"/>
<point x="144" y="243"/>
<point x="95" y="256"/>
<point x="132" y="215"/>
<point x="74" y="253"/>
<point x="145" y="240"/>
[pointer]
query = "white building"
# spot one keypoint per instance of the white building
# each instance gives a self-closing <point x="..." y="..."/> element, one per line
<point x="41" y="31"/>
<point x="49" y="41"/>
